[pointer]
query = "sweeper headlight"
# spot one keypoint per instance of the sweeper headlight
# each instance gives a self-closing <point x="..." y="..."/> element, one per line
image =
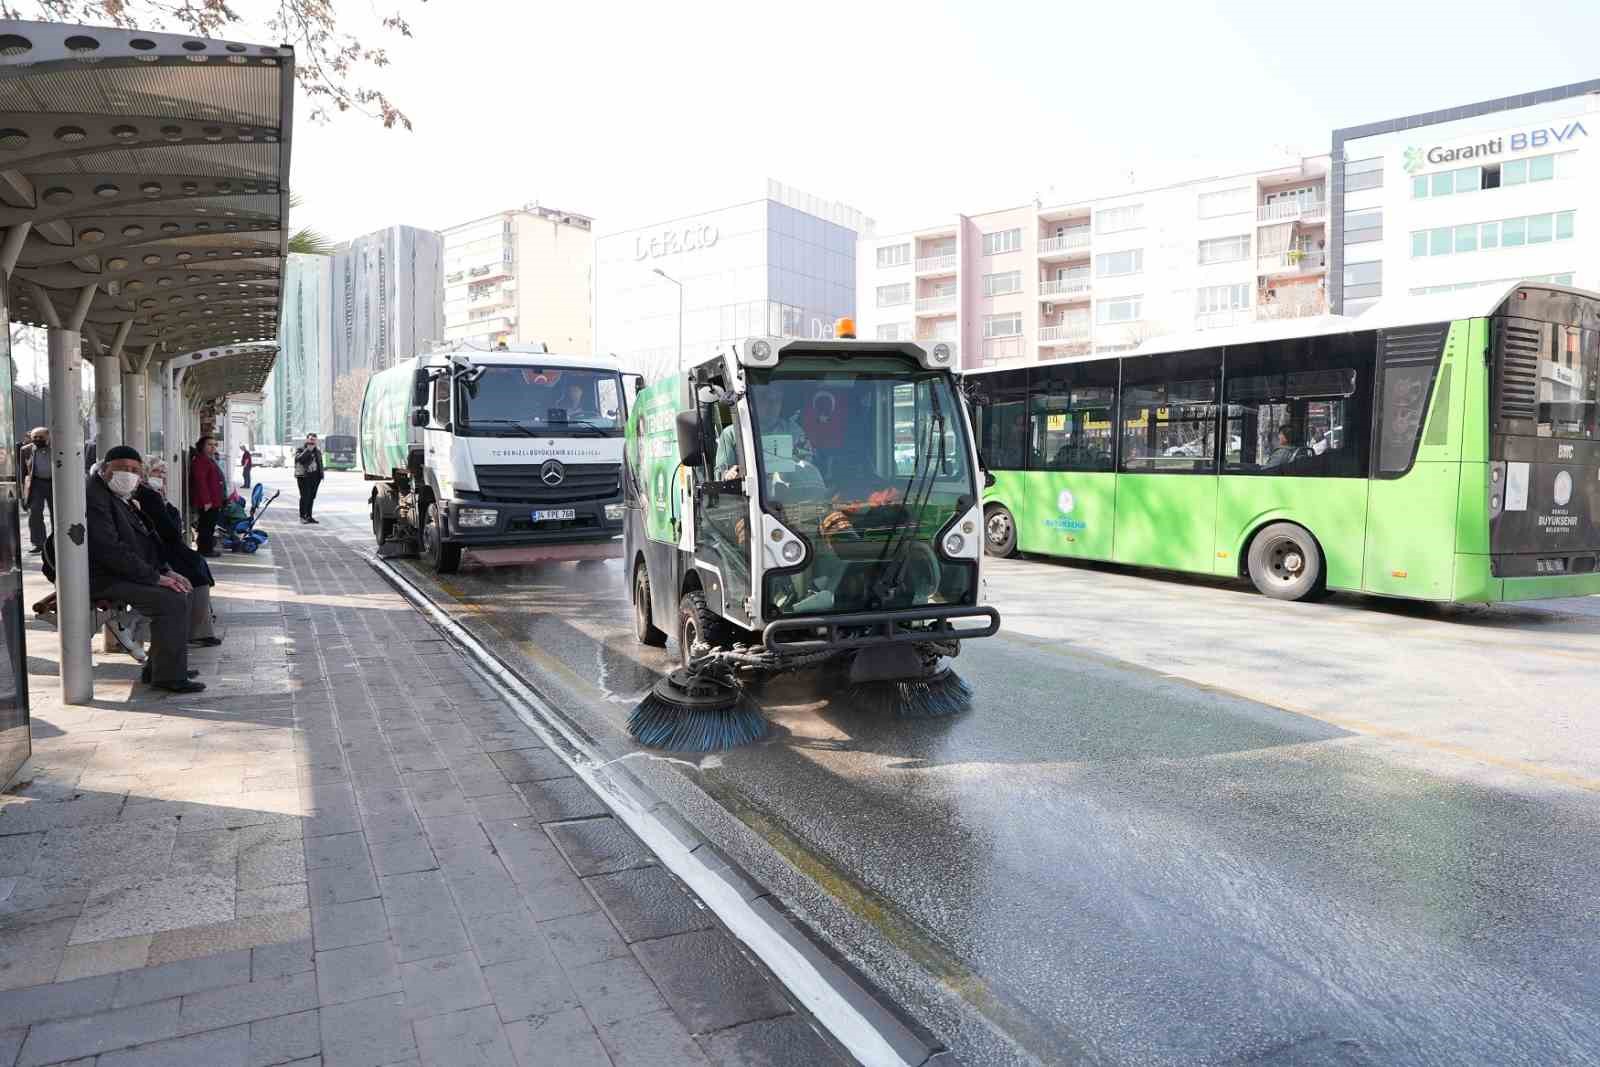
<point x="955" y="542"/>
<point x="792" y="552"/>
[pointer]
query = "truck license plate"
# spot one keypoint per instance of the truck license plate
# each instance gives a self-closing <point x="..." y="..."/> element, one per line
<point x="554" y="514"/>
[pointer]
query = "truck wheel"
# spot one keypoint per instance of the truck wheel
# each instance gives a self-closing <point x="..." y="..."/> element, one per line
<point x="382" y="528"/>
<point x="697" y="623"/>
<point x="644" y="627"/>
<point x="999" y="531"/>
<point x="1284" y="562"/>
<point x="442" y="557"/>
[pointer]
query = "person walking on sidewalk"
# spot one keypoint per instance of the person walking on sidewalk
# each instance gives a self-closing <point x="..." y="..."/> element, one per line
<point x="246" y="462"/>
<point x="209" y="493"/>
<point x="125" y="567"/>
<point x="308" y="474"/>
<point x="37" y="479"/>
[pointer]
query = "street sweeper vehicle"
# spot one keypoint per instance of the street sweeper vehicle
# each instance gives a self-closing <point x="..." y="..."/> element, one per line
<point x="514" y="455"/>
<point x="811" y="506"/>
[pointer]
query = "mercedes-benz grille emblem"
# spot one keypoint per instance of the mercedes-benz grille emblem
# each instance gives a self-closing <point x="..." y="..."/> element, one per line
<point x="552" y="472"/>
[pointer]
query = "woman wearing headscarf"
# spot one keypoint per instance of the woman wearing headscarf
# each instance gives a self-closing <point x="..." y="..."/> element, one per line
<point x="166" y="524"/>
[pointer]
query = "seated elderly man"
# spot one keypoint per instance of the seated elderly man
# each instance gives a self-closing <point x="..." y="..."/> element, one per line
<point x="125" y="566"/>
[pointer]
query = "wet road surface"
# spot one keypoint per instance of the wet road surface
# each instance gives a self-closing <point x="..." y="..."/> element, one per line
<point x="1182" y="823"/>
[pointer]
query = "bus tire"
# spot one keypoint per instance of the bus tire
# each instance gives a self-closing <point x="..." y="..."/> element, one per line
<point x="999" y="531"/>
<point x="644" y="626"/>
<point x="1285" y="562"/>
<point x="697" y="622"/>
<point x="442" y="556"/>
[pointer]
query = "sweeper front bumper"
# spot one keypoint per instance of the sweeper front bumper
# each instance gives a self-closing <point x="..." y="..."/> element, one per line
<point x="808" y="634"/>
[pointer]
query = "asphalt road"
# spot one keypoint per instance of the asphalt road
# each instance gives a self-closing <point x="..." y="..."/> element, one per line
<point x="1182" y="823"/>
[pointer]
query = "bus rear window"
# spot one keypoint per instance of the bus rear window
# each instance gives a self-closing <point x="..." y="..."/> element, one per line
<point x="1568" y="369"/>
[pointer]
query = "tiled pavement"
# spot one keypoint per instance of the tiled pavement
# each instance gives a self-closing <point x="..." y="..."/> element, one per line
<point x="347" y="853"/>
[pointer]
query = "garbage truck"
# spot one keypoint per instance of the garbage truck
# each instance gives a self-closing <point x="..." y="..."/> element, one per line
<point x="803" y="506"/>
<point x="513" y="455"/>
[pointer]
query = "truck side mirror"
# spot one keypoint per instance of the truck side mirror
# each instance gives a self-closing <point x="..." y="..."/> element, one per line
<point x="690" y="451"/>
<point x="421" y="384"/>
<point x="633" y="385"/>
<point x="419" y="416"/>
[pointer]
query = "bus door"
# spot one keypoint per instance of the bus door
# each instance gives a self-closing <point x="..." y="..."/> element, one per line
<point x="1072" y="498"/>
<point x="1167" y="463"/>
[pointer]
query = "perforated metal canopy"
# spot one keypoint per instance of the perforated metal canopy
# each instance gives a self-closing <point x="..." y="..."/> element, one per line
<point x="154" y="167"/>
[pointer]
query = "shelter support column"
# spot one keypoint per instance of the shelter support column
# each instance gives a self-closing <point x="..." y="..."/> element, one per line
<point x="73" y="606"/>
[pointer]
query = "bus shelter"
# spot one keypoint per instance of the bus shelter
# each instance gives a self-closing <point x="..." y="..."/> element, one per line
<point x="144" y="199"/>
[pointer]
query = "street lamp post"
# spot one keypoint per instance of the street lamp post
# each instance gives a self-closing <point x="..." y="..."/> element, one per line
<point x="679" y="284"/>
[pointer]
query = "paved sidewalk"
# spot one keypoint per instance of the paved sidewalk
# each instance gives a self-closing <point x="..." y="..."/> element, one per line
<point x="346" y="852"/>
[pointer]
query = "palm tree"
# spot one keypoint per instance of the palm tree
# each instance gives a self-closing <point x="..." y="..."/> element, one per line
<point x="305" y="240"/>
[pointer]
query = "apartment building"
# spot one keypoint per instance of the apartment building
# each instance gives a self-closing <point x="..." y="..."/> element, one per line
<point x="1103" y="274"/>
<point x="1484" y="194"/>
<point x="520" y="276"/>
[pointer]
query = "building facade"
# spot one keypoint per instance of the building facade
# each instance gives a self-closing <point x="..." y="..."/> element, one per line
<point x="1490" y="193"/>
<point x="521" y="277"/>
<point x="294" y="399"/>
<point x="387" y="305"/>
<point x="1103" y="274"/>
<point x="783" y="265"/>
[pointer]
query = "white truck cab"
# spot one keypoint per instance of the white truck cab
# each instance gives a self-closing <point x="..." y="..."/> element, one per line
<point x="513" y="454"/>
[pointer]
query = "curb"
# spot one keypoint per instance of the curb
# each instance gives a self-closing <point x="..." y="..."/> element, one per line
<point x="838" y="996"/>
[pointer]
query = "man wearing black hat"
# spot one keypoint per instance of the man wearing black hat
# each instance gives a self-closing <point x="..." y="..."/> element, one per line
<point x="125" y="567"/>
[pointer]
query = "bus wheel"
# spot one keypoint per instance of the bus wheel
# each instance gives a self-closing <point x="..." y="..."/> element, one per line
<point x="1285" y="562"/>
<point x="999" y="531"/>
<point x="644" y="627"/>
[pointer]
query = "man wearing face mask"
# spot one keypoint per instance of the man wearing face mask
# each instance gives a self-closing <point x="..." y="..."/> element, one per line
<point x="125" y="566"/>
<point x="33" y="460"/>
<point x="163" y="521"/>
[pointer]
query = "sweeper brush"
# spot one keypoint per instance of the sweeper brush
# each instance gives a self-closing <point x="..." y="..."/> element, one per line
<point x="696" y="712"/>
<point x="936" y="696"/>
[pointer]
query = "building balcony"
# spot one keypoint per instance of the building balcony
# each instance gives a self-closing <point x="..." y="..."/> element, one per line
<point x="1293" y="210"/>
<point x="1213" y="320"/>
<point x="1292" y="262"/>
<point x="1000" y="350"/>
<point x="1065" y="289"/>
<point x="1065" y="335"/>
<point x="1303" y="301"/>
<point x="1065" y="246"/>
<point x="935" y="305"/>
<point x="945" y="264"/>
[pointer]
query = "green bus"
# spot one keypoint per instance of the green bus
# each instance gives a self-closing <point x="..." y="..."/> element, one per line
<point x="1440" y="448"/>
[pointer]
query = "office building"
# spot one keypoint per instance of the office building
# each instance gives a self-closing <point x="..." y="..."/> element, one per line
<point x="294" y="398"/>
<point x="387" y="304"/>
<point x="1490" y="193"/>
<point x="782" y="265"/>
<point x="1103" y="274"/>
<point x="521" y="276"/>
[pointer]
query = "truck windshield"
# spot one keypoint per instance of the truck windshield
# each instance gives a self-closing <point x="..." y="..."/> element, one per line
<point x="547" y="401"/>
<point x="868" y="460"/>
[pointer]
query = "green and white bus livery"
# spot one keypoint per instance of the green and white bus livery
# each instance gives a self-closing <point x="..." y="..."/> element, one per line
<point x="797" y="504"/>
<point x="1440" y="448"/>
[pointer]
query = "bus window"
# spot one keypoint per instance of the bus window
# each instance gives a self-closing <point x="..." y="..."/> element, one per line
<point x="1169" y="413"/>
<point x="1003" y="433"/>
<point x="1409" y="357"/>
<point x="1299" y="406"/>
<point x="1071" y="414"/>
<point x="1567" y="377"/>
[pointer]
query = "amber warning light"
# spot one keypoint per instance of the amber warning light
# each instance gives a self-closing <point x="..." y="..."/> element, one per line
<point x="845" y="329"/>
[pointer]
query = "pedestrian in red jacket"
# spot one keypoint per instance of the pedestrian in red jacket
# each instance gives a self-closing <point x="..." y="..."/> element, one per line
<point x="207" y="492"/>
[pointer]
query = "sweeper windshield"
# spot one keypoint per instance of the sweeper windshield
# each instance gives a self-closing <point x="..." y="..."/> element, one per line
<point x="868" y="460"/>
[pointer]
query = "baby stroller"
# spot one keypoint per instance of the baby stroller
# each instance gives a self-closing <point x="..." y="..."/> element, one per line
<point x="238" y="527"/>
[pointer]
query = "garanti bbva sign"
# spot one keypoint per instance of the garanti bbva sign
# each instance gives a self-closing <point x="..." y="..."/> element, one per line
<point x="1522" y="141"/>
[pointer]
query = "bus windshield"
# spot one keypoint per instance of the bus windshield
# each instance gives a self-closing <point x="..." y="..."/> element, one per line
<point x="540" y="401"/>
<point x="868" y="460"/>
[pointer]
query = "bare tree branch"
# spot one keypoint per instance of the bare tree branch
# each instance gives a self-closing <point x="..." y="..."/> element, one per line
<point x="332" y="65"/>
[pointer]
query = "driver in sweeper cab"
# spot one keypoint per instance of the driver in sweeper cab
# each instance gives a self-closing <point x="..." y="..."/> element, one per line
<point x="783" y="440"/>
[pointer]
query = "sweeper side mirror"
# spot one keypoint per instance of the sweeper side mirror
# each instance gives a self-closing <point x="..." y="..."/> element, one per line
<point x="690" y="451"/>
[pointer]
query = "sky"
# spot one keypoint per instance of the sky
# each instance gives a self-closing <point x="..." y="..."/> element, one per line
<point x="634" y="113"/>
<point x="909" y="112"/>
